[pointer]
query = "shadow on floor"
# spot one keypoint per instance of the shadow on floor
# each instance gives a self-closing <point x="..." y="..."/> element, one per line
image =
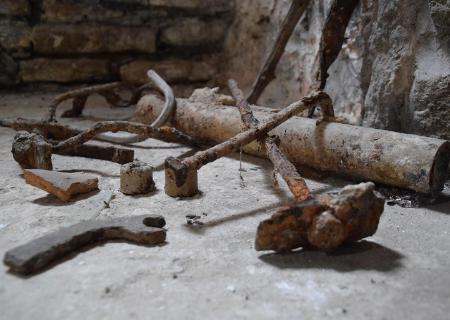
<point x="199" y="228"/>
<point x="363" y="255"/>
<point x="51" y="200"/>
<point x="98" y="172"/>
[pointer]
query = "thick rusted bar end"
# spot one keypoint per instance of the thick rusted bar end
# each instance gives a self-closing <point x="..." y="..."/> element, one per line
<point x="181" y="181"/>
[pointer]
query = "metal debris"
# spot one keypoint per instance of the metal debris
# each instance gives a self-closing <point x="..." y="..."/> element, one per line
<point x="324" y="224"/>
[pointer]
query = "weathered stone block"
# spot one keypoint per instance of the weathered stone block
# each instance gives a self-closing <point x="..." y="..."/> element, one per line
<point x="117" y="12"/>
<point x="64" y="70"/>
<point x="200" y="6"/>
<point x="68" y="39"/>
<point x="192" y="32"/>
<point x="174" y="70"/>
<point x="430" y="103"/>
<point x="18" y="8"/>
<point x="440" y="14"/>
<point x="15" y="36"/>
<point x="8" y="69"/>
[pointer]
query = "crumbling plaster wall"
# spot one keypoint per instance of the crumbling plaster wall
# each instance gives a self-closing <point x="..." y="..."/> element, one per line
<point x="392" y="73"/>
<point x="82" y="41"/>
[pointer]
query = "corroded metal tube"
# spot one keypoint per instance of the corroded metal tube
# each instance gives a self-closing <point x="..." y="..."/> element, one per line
<point x="397" y="159"/>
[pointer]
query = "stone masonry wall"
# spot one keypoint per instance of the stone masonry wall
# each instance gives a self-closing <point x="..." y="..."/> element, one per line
<point x="84" y="41"/>
<point x="392" y="73"/>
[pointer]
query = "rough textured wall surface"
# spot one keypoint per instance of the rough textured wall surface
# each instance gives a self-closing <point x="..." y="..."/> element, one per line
<point x="392" y="73"/>
<point x="82" y="41"/>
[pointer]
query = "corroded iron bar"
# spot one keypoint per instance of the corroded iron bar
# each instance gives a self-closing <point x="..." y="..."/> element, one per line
<point x="82" y="92"/>
<point x="164" y="133"/>
<point x="281" y="164"/>
<point x="108" y="153"/>
<point x="333" y="36"/>
<point x="243" y="138"/>
<point x="267" y="72"/>
<point x="54" y="131"/>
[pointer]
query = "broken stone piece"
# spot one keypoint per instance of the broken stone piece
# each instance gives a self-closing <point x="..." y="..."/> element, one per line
<point x="136" y="178"/>
<point x="40" y="253"/>
<point x="324" y="224"/>
<point x="60" y="184"/>
<point x="31" y="150"/>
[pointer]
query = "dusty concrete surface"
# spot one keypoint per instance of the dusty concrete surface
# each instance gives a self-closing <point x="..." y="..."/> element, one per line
<point x="213" y="271"/>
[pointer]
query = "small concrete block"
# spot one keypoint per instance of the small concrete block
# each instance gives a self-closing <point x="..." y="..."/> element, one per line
<point x="136" y="178"/>
<point x="60" y="184"/>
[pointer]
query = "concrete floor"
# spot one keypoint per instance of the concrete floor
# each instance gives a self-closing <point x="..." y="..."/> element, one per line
<point x="212" y="272"/>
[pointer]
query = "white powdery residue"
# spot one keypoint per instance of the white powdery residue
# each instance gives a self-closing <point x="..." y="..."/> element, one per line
<point x="2" y="225"/>
<point x="251" y="269"/>
<point x="311" y="292"/>
<point x="231" y="288"/>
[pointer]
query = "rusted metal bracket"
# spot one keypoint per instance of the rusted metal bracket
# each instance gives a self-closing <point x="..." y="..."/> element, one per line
<point x="281" y="164"/>
<point x="32" y="150"/>
<point x="40" y="253"/>
<point x="163" y="117"/>
<point x="181" y="175"/>
<point x="80" y="97"/>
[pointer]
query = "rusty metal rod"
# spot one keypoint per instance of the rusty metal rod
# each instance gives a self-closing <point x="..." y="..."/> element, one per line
<point x="281" y="164"/>
<point x="243" y="138"/>
<point x="397" y="159"/>
<point x="333" y="36"/>
<point x="82" y="92"/>
<point x="108" y="153"/>
<point x="73" y="137"/>
<point x="267" y="72"/>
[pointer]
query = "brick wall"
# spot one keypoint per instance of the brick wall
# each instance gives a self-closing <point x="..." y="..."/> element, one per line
<point x="82" y="41"/>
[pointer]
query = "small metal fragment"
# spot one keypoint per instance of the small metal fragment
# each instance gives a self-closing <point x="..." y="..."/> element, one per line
<point x="40" y="253"/>
<point x="324" y="224"/>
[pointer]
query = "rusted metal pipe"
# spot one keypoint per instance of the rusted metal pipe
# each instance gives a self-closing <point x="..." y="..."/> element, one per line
<point x="397" y="159"/>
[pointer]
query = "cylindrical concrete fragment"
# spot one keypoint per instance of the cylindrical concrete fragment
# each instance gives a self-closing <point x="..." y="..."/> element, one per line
<point x="402" y="160"/>
<point x="136" y="178"/>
